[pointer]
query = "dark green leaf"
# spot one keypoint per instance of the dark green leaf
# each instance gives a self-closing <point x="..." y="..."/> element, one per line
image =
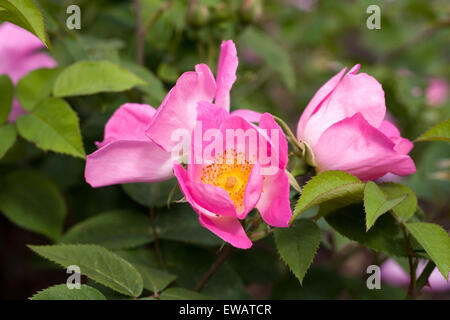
<point x="62" y="292"/>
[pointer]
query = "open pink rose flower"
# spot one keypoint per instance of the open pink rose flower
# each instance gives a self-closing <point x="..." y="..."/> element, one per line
<point x="234" y="167"/>
<point x="138" y="140"/>
<point x="344" y="127"/>
<point x="20" y="54"/>
<point x="392" y="273"/>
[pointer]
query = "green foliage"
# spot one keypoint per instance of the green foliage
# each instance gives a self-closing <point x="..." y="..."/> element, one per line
<point x="6" y="97"/>
<point x="152" y="194"/>
<point x="435" y="241"/>
<point x="297" y="246"/>
<point x="441" y="131"/>
<point x="406" y="208"/>
<point x="89" y="77"/>
<point x="26" y="14"/>
<point x="113" y="230"/>
<point x="97" y="263"/>
<point x="8" y="136"/>
<point x="182" y="294"/>
<point x="61" y="292"/>
<point x="328" y="186"/>
<point x="53" y="125"/>
<point x="36" y="86"/>
<point x="376" y="203"/>
<point x="33" y="202"/>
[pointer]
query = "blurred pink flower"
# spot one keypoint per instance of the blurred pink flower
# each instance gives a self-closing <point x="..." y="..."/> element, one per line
<point x="345" y="128"/>
<point x="392" y="273"/>
<point x="225" y="185"/>
<point x="19" y="54"/>
<point x="138" y="141"/>
<point x="437" y="92"/>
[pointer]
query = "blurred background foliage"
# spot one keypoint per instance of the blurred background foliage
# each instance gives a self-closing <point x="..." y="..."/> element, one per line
<point x="287" y="49"/>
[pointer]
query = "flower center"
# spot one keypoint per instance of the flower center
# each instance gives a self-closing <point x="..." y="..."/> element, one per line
<point x="229" y="174"/>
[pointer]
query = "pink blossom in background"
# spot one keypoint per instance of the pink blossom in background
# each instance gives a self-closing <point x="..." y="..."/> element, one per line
<point x="437" y="92"/>
<point x="20" y="54"/>
<point x="392" y="273"/>
<point x="345" y="128"/>
<point x="138" y="141"/>
<point x="226" y="185"/>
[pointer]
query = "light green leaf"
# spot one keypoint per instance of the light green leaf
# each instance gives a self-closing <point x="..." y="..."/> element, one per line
<point x="25" y="14"/>
<point x="98" y="263"/>
<point x="327" y="186"/>
<point x="61" y="292"/>
<point x="155" y="280"/>
<point x="36" y="86"/>
<point x="89" y="77"/>
<point x="298" y="245"/>
<point x="53" y="125"/>
<point x="376" y="203"/>
<point x="8" y="136"/>
<point x="407" y="207"/>
<point x="272" y="53"/>
<point x="32" y="202"/>
<point x="114" y="230"/>
<point x="182" y="294"/>
<point x="435" y="241"/>
<point x="6" y="97"/>
<point x="441" y="132"/>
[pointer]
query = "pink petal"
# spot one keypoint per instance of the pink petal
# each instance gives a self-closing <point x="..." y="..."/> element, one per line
<point x="125" y="161"/>
<point x="178" y="110"/>
<point x="402" y="145"/>
<point x="268" y="123"/>
<point x="226" y="73"/>
<point x="16" y="111"/>
<point x="128" y="122"/>
<point x="274" y="204"/>
<point x="226" y="227"/>
<point x="354" y="93"/>
<point x="253" y="190"/>
<point x="354" y="146"/>
<point x="317" y="100"/>
<point x="15" y="38"/>
<point x="249" y="115"/>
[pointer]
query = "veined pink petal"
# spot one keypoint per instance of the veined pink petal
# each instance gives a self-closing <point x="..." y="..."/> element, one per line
<point x="355" y="93"/>
<point x="249" y="115"/>
<point x="128" y="122"/>
<point x="274" y="204"/>
<point x="125" y="161"/>
<point x="253" y="190"/>
<point x="226" y="227"/>
<point x="402" y="145"/>
<point x="226" y="73"/>
<point x="354" y="146"/>
<point x="178" y="110"/>
<point x="317" y="100"/>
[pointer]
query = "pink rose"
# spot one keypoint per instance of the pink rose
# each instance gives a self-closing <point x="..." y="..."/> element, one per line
<point x="227" y="177"/>
<point x="437" y="92"/>
<point x="344" y="127"/>
<point x="19" y="54"/>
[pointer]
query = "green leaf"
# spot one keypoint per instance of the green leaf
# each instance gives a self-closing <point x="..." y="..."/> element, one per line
<point x="327" y="186"/>
<point x="25" y="14"/>
<point x="440" y="132"/>
<point x="98" y="263"/>
<point x="406" y="208"/>
<point x="182" y="294"/>
<point x="385" y="236"/>
<point x="61" y="292"/>
<point x="273" y="54"/>
<point x="33" y="202"/>
<point x="298" y="245"/>
<point x="53" y="125"/>
<point x="435" y="241"/>
<point x="376" y="203"/>
<point x="36" y="86"/>
<point x="6" y="97"/>
<point x="154" y="279"/>
<point x="8" y="136"/>
<point x="114" y="230"/>
<point x="89" y="77"/>
<point x="152" y="194"/>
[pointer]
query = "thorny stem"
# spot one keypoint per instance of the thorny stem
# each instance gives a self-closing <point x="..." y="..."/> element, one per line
<point x="412" y="265"/>
<point x="214" y="267"/>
